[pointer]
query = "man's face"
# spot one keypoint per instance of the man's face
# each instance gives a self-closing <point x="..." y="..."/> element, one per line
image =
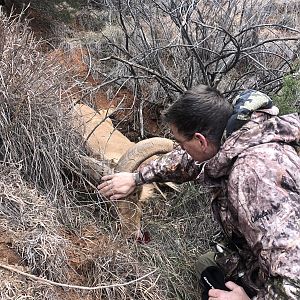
<point x="199" y="148"/>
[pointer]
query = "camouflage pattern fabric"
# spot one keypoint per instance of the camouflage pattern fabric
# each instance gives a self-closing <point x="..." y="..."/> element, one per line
<point x="243" y="106"/>
<point x="176" y="166"/>
<point x="256" y="183"/>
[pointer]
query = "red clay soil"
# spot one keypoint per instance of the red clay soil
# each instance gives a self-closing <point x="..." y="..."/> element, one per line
<point x="122" y="102"/>
<point x="7" y="254"/>
<point x="85" y="249"/>
<point x="82" y="252"/>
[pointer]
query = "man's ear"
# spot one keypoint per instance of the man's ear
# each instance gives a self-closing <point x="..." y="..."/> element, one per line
<point x="202" y="140"/>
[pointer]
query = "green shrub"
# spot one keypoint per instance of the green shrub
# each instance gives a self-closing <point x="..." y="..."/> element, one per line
<point x="287" y="99"/>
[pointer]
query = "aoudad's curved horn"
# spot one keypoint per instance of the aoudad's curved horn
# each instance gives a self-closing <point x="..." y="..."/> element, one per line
<point x="141" y="151"/>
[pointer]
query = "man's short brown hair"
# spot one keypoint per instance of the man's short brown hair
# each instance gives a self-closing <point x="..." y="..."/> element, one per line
<point x="200" y="109"/>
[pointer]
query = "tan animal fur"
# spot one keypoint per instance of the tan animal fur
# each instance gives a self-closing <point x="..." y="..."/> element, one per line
<point x="108" y="144"/>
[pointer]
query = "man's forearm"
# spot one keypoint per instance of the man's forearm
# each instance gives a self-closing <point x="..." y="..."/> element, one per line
<point x="176" y="166"/>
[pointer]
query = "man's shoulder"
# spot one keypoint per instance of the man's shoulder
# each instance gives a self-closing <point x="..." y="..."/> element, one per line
<point x="264" y="172"/>
<point x="268" y="155"/>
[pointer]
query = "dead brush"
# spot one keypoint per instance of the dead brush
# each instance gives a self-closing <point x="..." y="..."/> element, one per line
<point x="38" y="204"/>
<point x="12" y="287"/>
<point x="35" y="127"/>
<point x="38" y="144"/>
<point x="32" y="222"/>
<point x="181" y="230"/>
<point x="123" y="264"/>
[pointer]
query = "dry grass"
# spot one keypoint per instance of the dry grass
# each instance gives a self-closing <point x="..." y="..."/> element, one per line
<point x="35" y="127"/>
<point x="51" y="229"/>
<point x="30" y="220"/>
<point x="34" y="130"/>
<point x="180" y="230"/>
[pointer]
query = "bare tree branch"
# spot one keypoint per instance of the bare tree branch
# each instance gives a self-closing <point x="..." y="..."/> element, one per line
<point x="156" y="74"/>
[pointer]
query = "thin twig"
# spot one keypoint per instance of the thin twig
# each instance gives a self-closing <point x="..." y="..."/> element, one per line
<point x="158" y="75"/>
<point x="70" y="286"/>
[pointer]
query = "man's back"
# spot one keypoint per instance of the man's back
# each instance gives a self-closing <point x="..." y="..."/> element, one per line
<point x="263" y="190"/>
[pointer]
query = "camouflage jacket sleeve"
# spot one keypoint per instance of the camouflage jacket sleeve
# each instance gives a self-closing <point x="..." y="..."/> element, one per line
<point x="264" y="200"/>
<point x="176" y="166"/>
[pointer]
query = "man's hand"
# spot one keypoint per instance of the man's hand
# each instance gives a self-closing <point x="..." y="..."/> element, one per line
<point x="236" y="293"/>
<point x="117" y="186"/>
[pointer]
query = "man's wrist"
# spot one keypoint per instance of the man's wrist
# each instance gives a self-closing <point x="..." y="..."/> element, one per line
<point x="138" y="178"/>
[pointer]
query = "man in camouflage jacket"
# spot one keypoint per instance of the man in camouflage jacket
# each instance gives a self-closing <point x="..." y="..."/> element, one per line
<point x="255" y="179"/>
